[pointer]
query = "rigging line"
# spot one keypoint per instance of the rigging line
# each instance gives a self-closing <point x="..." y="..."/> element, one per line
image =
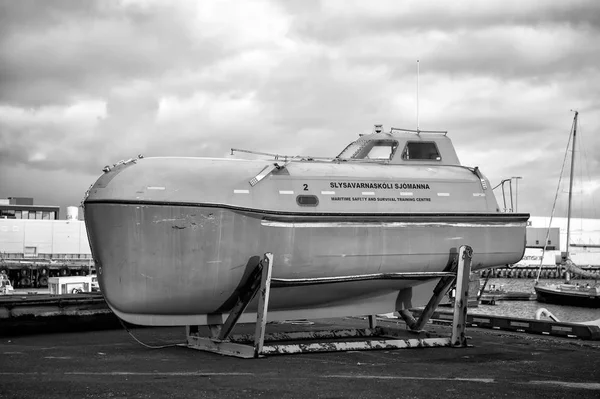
<point x="537" y="278"/>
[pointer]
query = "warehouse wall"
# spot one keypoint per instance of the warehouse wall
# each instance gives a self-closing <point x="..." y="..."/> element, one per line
<point x="46" y="236"/>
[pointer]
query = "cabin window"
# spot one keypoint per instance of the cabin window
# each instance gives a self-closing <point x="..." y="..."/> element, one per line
<point x="382" y="150"/>
<point x="421" y="151"/>
<point x="307" y="200"/>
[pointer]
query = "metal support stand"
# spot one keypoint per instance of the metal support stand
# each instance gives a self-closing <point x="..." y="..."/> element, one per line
<point x="221" y="341"/>
<point x="263" y="304"/>
<point x="438" y="293"/>
<point x="461" y="269"/>
<point x="462" y="295"/>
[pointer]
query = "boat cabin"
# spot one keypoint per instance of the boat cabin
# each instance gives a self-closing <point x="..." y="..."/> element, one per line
<point x="401" y="146"/>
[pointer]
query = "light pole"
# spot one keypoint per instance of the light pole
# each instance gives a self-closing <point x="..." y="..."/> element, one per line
<point x="516" y="192"/>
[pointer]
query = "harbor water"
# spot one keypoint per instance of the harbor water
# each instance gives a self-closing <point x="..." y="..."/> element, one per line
<point x="527" y="309"/>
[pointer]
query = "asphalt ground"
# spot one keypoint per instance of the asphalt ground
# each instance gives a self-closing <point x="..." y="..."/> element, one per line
<point x="111" y="364"/>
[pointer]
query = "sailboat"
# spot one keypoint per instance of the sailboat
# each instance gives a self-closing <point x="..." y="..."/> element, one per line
<point x="568" y="293"/>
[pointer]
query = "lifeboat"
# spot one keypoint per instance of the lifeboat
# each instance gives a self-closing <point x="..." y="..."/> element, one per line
<point x="174" y="238"/>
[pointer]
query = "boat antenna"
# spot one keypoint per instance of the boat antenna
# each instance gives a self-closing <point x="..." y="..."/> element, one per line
<point x="417" y="96"/>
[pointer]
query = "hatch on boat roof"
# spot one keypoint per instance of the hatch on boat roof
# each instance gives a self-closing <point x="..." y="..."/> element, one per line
<point x="402" y="146"/>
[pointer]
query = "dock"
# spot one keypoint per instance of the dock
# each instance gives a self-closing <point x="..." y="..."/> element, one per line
<point x="491" y="297"/>
<point x="23" y="313"/>
<point x="530" y="326"/>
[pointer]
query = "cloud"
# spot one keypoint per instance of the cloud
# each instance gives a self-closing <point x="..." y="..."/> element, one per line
<point x="48" y="136"/>
<point x="90" y="47"/>
<point x="342" y="20"/>
<point x="85" y="84"/>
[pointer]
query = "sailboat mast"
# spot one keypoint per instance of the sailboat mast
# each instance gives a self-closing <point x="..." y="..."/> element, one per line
<point x="571" y="181"/>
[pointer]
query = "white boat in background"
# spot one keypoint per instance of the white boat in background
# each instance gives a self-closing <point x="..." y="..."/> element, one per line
<point x="175" y="238"/>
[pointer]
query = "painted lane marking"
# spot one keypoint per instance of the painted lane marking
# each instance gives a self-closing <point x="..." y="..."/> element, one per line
<point x="478" y="194"/>
<point x="128" y="373"/>
<point x="328" y="192"/>
<point x="443" y="194"/>
<point x="368" y="193"/>
<point x="155" y="188"/>
<point x="57" y="357"/>
<point x="241" y="191"/>
<point x="567" y="384"/>
<point x="397" y="377"/>
<point x="286" y="192"/>
<point x="406" y="193"/>
<point x="171" y="373"/>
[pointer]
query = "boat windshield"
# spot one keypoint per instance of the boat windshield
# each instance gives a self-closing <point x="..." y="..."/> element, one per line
<point x="382" y="150"/>
<point x="419" y="150"/>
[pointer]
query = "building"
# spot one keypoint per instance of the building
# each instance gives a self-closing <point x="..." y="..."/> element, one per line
<point x="35" y="244"/>
<point x="584" y="241"/>
<point x="23" y="208"/>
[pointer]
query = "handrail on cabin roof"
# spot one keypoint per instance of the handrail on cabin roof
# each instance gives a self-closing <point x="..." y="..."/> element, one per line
<point x="444" y="132"/>
<point x="286" y="158"/>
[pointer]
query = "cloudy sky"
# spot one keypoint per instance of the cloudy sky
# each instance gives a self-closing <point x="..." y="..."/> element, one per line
<point x="84" y="84"/>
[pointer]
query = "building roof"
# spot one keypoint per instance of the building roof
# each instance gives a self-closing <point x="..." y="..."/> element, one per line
<point x="29" y="207"/>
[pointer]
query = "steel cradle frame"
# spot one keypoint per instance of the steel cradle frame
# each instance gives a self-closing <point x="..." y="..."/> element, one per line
<point x="220" y="339"/>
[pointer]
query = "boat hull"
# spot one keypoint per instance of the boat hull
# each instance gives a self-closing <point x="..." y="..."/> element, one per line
<point x="555" y="296"/>
<point x="177" y="264"/>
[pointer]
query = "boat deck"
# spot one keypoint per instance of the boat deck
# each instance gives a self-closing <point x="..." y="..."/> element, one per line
<point x="111" y="364"/>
